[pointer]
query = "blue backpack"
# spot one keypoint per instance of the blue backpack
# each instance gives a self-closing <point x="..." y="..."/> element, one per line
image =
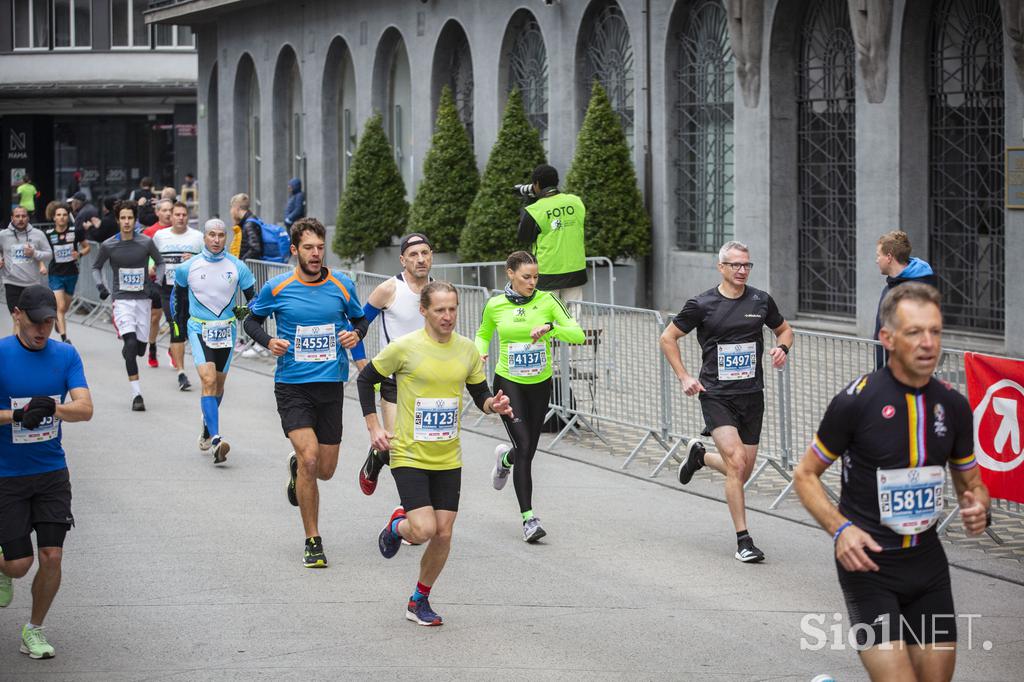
<point x="276" y="242"/>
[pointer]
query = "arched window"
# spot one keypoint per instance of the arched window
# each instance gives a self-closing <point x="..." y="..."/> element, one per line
<point x="338" y="106"/>
<point x="400" y="107"/>
<point x="826" y="143"/>
<point x="704" y="129"/>
<point x="528" y="69"/>
<point x="290" y="155"/>
<point x="247" y="130"/>
<point x="453" y="66"/>
<point x="608" y="58"/>
<point x="966" y="118"/>
<point x="210" y="200"/>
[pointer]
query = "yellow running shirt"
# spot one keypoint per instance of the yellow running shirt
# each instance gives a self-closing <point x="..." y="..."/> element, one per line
<point x="430" y="378"/>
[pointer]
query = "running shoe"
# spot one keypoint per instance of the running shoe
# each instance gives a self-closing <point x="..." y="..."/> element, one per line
<point x="138" y="404"/>
<point x="388" y="542"/>
<point x="419" y="612"/>
<point x="370" y="472"/>
<point x="747" y="553"/>
<point x="220" y="449"/>
<point x="183" y="383"/>
<point x="153" y="362"/>
<point x="33" y="643"/>
<point x="6" y="589"/>
<point x="205" y="439"/>
<point x="313" y="557"/>
<point x="293" y="472"/>
<point x="693" y="462"/>
<point x="499" y="474"/>
<point x="532" y="530"/>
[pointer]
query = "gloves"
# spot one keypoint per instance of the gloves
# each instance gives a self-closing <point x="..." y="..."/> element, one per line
<point x="241" y="312"/>
<point x="33" y="414"/>
<point x="104" y="292"/>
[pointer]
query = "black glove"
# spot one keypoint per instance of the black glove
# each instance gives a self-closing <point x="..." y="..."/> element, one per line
<point x="104" y="292"/>
<point x="241" y="312"/>
<point x="33" y="414"/>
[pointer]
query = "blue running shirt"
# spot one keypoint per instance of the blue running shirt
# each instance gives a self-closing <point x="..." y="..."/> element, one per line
<point x="212" y="282"/>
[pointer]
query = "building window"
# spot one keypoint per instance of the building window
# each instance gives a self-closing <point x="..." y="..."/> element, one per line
<point x="128" y="29"/>
<point x="460" y="80"/>
<point x="253" y="140"/>
<point x="966" y="192"/>
<point x="174" y="36"/>
<point x="608" y="58"/>
<point x="72" y="23"/>
<point x="826" y="146"/>
<point x="704" y="130"/>
<point x="400" y="106"/>
<point x="528" y="73"/>
<point x="31" y="24"/>
<point x="52" y="24"/>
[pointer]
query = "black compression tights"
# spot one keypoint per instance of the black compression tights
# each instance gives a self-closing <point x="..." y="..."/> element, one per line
<point x="529" y="405"/>
<point x="130" y="352"/>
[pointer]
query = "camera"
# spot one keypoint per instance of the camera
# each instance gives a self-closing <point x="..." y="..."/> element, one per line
<point x="524" y="191"/>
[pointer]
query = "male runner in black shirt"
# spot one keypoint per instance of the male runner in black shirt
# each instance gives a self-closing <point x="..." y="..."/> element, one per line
<point x="729" y="321"/>
<point x="895" y="430"/>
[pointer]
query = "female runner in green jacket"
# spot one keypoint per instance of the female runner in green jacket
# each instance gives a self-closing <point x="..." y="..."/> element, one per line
<point x="526" y="320"/>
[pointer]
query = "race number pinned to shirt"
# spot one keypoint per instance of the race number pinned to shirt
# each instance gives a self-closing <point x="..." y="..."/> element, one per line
<point x="436" y="419"/>
<point x="910" y="500"/>
<point x="737" y="361"/>
<point x="18" y="255"/>
<point x="131" y="279"/>
<point x="47" y="430"/>
<point x="316" y="343"/>
<point x="63" y="253"/>
<point x="527" y="359"/>
<point x="217" y="334"/>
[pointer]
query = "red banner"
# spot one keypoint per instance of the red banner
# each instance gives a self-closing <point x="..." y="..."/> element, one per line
<point x="995" y="388"/>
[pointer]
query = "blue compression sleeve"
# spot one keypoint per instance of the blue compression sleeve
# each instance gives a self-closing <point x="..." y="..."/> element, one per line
<point x="208" y="403"/>
<point x="371" y="312"/>
<point x="358" y="351"/>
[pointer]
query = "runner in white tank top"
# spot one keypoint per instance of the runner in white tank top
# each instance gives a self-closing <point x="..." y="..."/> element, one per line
<point x="397" y="301"/>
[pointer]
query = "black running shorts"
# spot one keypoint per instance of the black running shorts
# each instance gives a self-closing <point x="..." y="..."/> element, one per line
<point x="909" y="598"/>
<point x="35" y="502"/>
<point x="427" y="488"/>
<point x="165" y="302"/>
<point x="316" y="405"/>
<point x="745" y="411"/>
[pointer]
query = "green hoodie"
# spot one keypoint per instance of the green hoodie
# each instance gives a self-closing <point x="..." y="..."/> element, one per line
<point x="530" y="362"/>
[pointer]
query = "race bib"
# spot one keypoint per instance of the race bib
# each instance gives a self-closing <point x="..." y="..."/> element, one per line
<point x="47" y="430"/>
<point x="317" y="343"/>
<point x="18" y="255"/>
<point x="217" y="334"/>
<point x="63" y="253"/>
<point x="737" y="361"/>
<point x="169" y="273"/>
<point x="131" y="279"/>
<point x="436" y="419"/>
<point x="527" y="359"/>
<point x="910" y="500"/>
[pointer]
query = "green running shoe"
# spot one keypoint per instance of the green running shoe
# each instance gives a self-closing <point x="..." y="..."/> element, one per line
<point x="33" y="643"/>
<point x="314" y="557"/>
<point x="6" y="590"/>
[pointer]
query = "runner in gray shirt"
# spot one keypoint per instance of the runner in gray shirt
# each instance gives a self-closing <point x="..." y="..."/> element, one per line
<point x="129" y="253"/>
<point x="24" y="251"/>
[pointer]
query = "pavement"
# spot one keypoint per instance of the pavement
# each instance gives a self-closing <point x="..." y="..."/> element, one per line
<point x="182" y="570"/>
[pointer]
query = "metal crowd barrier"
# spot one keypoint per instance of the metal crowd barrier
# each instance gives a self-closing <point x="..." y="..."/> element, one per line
<point x="491" y="275"/>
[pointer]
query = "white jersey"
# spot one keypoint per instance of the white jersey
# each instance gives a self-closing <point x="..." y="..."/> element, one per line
<point x="173" y="248"/>
<point x="403" y="315"/>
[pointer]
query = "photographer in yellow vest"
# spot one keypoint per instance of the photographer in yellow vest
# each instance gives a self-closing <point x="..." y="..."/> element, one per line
<point x="553" y="224"/>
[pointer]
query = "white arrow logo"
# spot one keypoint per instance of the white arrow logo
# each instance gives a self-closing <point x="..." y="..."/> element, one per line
<point x="1009" y="428"/>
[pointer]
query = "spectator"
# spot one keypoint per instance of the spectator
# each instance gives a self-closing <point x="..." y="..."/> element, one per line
<point x="143" y="196"/>
<point x="251" y="246"/>
<point x="894" y="261"/>
<point x="168" y="193"/>
<point x="75" y="185"/>
<point x="296" y="207"/>
<point x="25" y="195"/>
<point x="87" y="216"/>
<point x="108" y="222"/>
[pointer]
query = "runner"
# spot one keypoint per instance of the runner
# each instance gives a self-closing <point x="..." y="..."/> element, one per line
<point x="67" y="245"/>
<point x="24" y="253"/>
<point x="164" y="209"/>
<point x="176" y="245"/>
<point x="896" y="430"/>
<point x="728" y="320"/>
<point x="312" y="307"/>
<point x="35" y="489"/>
<point x="204" y="291"/>
<point x="129" y="253"/>
<point x="526" y="320"/>
<point x="397" y="301"/>
<point x="431" y="366"/>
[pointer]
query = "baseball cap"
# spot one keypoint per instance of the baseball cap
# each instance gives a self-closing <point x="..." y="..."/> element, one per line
<point x="80" y="196"/>
<point x="38" y="302"/>
<point x="412" y="239"/>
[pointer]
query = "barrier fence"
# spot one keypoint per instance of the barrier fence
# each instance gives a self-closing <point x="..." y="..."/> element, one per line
<point x="618" y="387"/>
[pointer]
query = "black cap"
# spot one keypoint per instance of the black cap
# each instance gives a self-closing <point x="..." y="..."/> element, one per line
<point x="413" y="239"/>
<point x="80" y="196"/>
<point x="38" y="302"/>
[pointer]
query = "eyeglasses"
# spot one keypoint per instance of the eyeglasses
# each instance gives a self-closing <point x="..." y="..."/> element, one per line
<point x="740" y="266"/>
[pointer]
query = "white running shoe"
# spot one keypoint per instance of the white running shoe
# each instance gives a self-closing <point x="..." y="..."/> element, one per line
<point x="499" y="474"/>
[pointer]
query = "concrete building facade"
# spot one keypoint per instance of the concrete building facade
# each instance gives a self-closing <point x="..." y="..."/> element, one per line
<point x="805" y="128"/>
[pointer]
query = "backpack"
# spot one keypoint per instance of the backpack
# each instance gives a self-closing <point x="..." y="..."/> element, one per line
<point x="276" y="242"/>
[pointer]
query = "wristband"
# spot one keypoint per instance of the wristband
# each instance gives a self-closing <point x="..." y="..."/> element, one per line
<point x="839" y="531"/>
<point x="988" y="518"/>
<point x="784" y="347"/>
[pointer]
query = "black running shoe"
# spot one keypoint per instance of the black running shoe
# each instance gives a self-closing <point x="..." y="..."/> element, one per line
<point x="370" y="472"/>
<point x="313" y="557"/>
<point x="747" y="552"/>
<point x="693" y="462"/>
<point x="183" y="383"/>
<point x="293" y="472"/>
<point x="138" y="404"/>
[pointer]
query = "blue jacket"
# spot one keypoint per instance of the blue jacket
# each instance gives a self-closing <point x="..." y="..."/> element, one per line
<point x="916" y="271"/>
<point x="296" y="207"/>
